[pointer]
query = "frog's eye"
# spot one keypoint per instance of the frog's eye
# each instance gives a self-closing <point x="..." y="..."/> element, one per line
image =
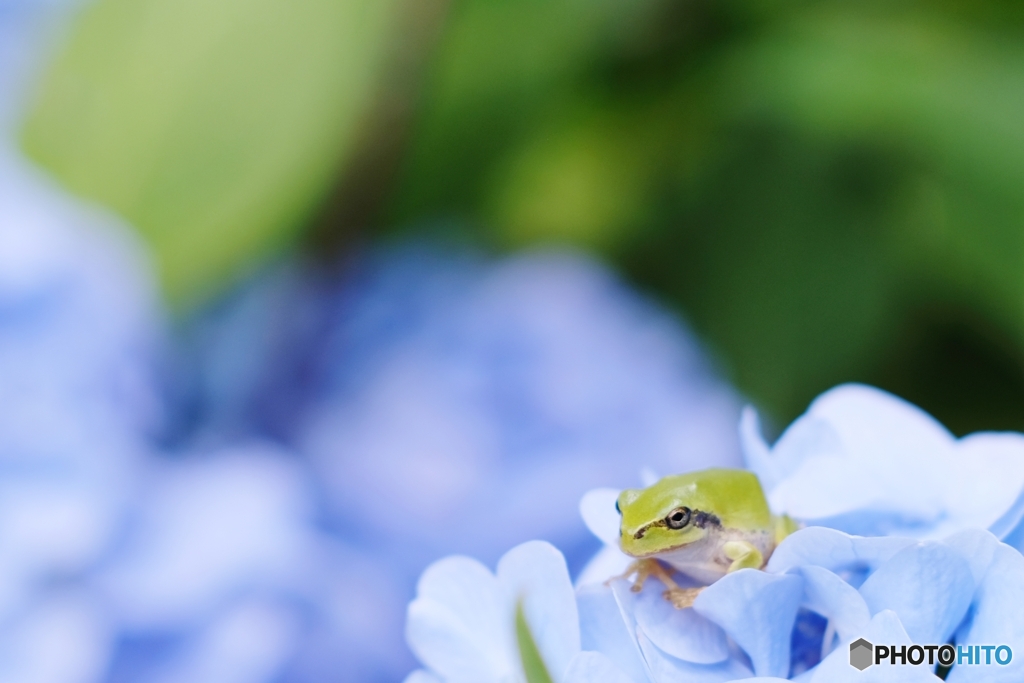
<point x="678" y="518"/>
<point x="617" y="507"/>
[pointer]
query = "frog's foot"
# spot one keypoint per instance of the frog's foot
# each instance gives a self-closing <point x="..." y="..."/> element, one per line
<point x="644" y="569"/>
<point x="681" y="598"/>
<point x="630" y="570"/>
<point x="651" y="567"/>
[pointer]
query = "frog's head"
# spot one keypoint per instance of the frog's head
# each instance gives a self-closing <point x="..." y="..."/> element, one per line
<point x="663" y="517"/>
<point x="684" y="508"/>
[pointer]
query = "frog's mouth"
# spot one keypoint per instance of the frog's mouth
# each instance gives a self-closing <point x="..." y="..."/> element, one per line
<point x="661" y="551"/>
<point x="643" y="530"/>
<point x="629" y="540"/>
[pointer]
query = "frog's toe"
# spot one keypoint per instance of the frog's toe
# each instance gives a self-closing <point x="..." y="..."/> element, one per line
<point x="681" y="598"/>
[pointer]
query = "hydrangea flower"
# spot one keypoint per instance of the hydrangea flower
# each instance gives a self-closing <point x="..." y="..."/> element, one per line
<point x="517" y="625"/>
<point x="225" y="577"/>
<point x="78" y="402"/>
<point x="869" y="463"/>
<point x="458" y="387"/>
<point x="823" y="587"/>
<point x="866" y="462"/>
<point x="744" y="627"/>
<point x="886" y="589"/>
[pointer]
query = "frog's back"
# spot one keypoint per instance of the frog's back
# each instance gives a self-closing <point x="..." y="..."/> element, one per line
<point x="734" y="495"/>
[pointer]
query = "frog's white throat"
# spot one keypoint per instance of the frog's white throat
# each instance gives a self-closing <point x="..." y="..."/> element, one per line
<point x="705" y="560"/>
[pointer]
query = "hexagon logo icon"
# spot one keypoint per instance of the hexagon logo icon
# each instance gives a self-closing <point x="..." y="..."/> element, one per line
<point x="861" y="654"/>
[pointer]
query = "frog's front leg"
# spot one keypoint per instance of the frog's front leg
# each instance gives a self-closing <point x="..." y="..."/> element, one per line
<point x="744" y="555"/>
<point x="680" y="598"/>
<point x="643" y="569"/>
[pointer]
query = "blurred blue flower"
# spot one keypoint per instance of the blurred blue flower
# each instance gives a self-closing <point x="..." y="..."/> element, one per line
<point x="463" y="390"/>
<point x="223" y="575"/>
<point x="230" y="530"/>
<point x="445" y="404"/>
<point x="78" y="401"/>
<point x="249" y="527"/>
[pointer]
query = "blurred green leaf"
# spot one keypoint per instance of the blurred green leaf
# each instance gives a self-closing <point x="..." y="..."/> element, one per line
<point x="213" y="126"/>
<point x="579" y="183"/>
<point x="529" y="653"/>
<point x="829" y="191"/>
<point x="502" y="69"/>
<point x="889" y="144"/>
<point x="949" y="95"/>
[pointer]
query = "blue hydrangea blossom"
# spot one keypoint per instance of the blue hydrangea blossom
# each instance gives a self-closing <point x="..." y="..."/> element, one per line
<point x="867" y="462"/>
<point x="462" y="624"/>
<point x="78" y="331"/>
<point x="823" y="588"/>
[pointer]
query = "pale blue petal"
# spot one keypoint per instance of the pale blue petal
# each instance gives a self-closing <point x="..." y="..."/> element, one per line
<point x="760" y="679"/>
<point x="597" y="507"/>
<point x="593" y="667"/>
<point x="469" y="590"/>
<point x="421" y="676"/>
<point x="929" y="585"/>
<point x="885" y="627"/>
<point x="663" y="667"/>
<point x="834" y="550"/>
<point x="535" y="574"/>
<point x="997" y="619"/>
<point x="874" y="424"/>
<point x="809" y="436"/>
<point x="976" y="546"/>
<point x="756" y="453"/>
<point x="758" y="610"/>
<point x="626" y="600"/>
<point x="1010" y="527"/>
<point x="867" y="462"/>
<point x="832" y="489"/>
<point x="834" y="599"/>
<point x="667" y="669"/>
<point x="806" y="437"/>
<point x="986" y="480"/>
<point x="681" y="633"/>
<point x="603" y="629"/>
<point x="610" y="561"/>
<point x="441" y="640"/>
<point x="883" y="457"/>
<point x="461" y="623"/>
<point x="886" y="521"/>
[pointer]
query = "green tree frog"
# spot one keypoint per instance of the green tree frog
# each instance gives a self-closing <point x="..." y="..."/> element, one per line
<point x="702" y="524"/>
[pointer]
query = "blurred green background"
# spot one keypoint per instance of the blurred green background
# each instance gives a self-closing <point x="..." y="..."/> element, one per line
<point x="827" y="191"/>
